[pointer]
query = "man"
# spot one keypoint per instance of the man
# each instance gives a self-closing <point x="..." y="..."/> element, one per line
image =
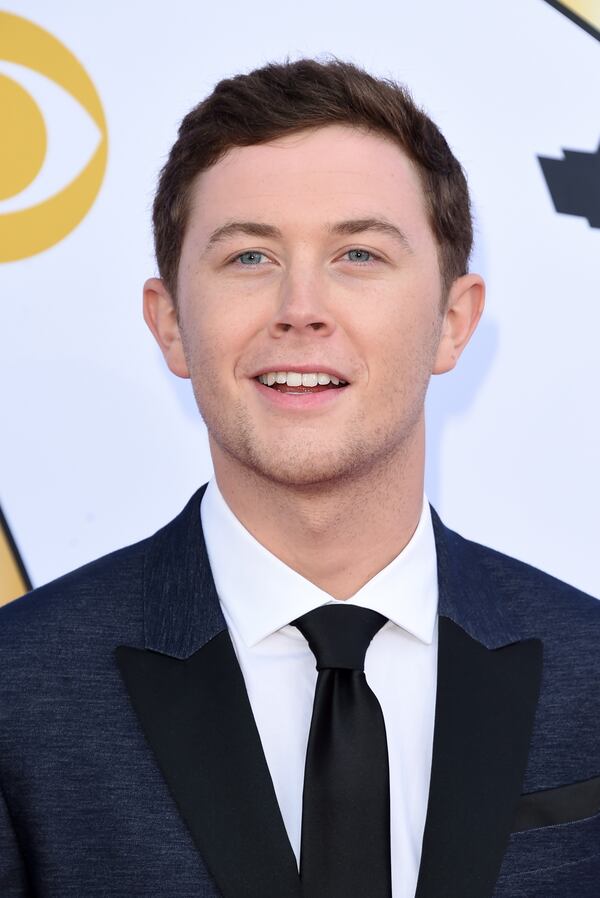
<point x="189" y="716"/>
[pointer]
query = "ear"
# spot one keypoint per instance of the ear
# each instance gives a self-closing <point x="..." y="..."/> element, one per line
<point x="463" y="311"/>
<point x="160" y="314"/>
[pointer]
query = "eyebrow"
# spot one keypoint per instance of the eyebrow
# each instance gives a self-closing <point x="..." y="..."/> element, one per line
<point x="348" y="227"/>
<point x="249" y="228"/>
<point x="380" y="225"/>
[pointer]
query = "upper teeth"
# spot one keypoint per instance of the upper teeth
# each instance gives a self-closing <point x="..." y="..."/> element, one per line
<point x="295" y="379"/>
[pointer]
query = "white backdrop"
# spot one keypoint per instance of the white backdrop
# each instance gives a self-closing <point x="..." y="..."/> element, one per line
<point x="101" y="445"/>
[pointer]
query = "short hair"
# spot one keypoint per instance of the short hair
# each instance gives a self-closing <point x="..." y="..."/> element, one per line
<point x="285" y="98"/>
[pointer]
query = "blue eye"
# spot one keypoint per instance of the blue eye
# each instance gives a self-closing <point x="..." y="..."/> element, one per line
<point x="250" y="258"/>
<point x="359" y="255"/>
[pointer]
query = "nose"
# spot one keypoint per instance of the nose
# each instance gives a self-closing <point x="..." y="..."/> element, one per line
<point x="302" y="306"/>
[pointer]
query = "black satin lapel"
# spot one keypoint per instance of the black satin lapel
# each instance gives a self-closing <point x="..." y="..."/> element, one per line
<point x="486" y="700"/>
<point x="197" y="718"/>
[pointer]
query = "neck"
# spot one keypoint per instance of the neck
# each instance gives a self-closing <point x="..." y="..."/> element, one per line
<point x="337" y="535"/>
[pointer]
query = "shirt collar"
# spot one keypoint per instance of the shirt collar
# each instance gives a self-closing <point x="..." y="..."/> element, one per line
<point x="261" y="594"/>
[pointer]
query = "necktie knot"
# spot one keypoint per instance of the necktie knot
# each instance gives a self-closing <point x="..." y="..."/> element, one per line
<point x="339" y="635"/>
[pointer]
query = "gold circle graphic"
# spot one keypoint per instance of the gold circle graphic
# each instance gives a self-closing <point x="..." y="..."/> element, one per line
<point x="29" y="231"/>
<point x="23" y="144"/>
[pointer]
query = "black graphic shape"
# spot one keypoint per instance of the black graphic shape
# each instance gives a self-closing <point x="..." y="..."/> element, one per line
<point x="574" y="184"/>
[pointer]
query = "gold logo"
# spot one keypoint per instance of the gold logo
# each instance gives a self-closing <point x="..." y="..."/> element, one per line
<point x="28" y="231"/>
<point x="13" y="576"/>
<point x="585" y="13"/>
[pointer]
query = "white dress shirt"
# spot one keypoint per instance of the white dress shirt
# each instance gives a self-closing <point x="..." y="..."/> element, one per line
<point x="260" y="595"/>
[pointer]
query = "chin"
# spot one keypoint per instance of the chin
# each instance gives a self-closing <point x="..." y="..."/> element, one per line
<point x="309" y="466"/>
<point x="304" y="458"/>
<point x="300" y="473"/>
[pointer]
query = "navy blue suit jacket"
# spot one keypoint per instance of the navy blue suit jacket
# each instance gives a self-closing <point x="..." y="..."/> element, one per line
<point x="130" y="763"/>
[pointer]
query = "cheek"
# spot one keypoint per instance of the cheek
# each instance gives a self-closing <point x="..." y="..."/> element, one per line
<point x="215" y="336"/>
<point x="405" y="339"/>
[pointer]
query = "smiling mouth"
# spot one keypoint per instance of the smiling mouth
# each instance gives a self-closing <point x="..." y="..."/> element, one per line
<point x="294" y="382"/>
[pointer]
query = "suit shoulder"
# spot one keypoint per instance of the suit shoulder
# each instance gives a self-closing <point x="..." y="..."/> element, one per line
<point x="103" y="588"/>
<point x="533" y="597"/>
<point x="102" y="599"/>
<point x="533" y="577"/>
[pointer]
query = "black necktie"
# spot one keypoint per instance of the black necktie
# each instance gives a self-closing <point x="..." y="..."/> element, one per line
<point x="345" y="850"/>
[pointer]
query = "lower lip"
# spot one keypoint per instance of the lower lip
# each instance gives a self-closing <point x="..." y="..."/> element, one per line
<point x="300" y="401"/>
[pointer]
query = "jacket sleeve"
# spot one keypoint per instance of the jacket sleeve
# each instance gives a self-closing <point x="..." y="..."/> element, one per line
<point x="13" y="876"/>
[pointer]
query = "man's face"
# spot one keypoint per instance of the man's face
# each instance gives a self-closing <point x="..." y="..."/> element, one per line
<point x="311" y="255"/>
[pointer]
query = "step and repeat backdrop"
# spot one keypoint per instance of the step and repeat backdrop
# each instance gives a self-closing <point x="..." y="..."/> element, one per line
<point x="101" y="445"/>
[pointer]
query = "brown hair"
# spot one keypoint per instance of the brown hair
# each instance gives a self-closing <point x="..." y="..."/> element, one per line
<point x="280" y="99"/>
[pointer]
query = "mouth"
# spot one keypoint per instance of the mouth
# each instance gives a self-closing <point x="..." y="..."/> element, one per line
<point x="301" y="383"/>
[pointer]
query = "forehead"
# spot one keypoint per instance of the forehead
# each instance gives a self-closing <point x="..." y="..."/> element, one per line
<point x="310" y="178"/>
